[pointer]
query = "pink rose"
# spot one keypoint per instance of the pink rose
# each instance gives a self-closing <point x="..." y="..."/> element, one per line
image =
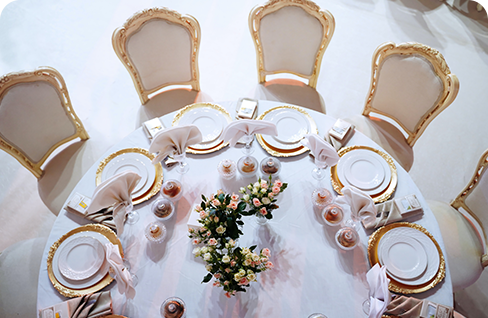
<point x="234" y="197"/>
<point x="276" y="190"/>
<point x="209" y="233"/>
<point x="256" y="202"/>
<point x="232" y="263"/>
<point x="212" y="241"/>
<point x="196" y="241"/>
<point x="263" y="211"/>
<point x="264" y="184"/>
<point x="216" y="219"/>
<point x="219" y="191"/>
<point x="232" y="205"/>
<point x="227" y="270"/>
<point x="278" y="183"/>
<point x="266" y="252"/>
<point x="270" y="195"/>
<point x="198" y="208"/>
<point x="215" y="202"/>
<point x="269" y="265"/>
<point x="216" y="284"/>
<point x="217" y="275"/>
<point x="244" y="281"/>
<point x="203" y="215"/>
<point x="227" y="294"/>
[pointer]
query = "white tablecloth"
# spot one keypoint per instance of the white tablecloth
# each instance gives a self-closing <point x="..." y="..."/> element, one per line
<point x="311" y="273"/>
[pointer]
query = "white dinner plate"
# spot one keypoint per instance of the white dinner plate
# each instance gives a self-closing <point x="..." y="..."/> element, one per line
<point x="291" y="125"/>
<point x="365" y="170"/>
<point x="405" y="258"/>
<point x="132" y="161"/>
<point x="210" y="122"/>
<point x="433" y="259"/>
<point x="90" y="281"/>
<point x="81" y="258"/>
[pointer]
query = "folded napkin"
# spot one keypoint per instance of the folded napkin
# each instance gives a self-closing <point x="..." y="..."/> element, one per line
<point x="362" y="206"/>
<point x="116" y="191"/>
<point x="395" y="210"/>
<point x="379" y="295"/>
<point x="237" y="129"/>
<point x="87" y="306"/>
<point x="78" y="204"/>
<point x="173" y="141"/>
<point x="321" y="150"/>
<point x="122" y="274"/>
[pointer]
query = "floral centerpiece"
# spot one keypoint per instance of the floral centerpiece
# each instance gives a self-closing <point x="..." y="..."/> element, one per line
<point x="232" y="267"/>
<point x="261" y="197"/>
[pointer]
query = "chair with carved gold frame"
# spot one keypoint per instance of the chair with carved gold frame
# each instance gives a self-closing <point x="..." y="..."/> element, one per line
<point x="463" y="224"/>
<point x="159" y="47"/>
<point x="291" y="36"/>
<point x="36" y="116"/>
<point x="411" y="84"/>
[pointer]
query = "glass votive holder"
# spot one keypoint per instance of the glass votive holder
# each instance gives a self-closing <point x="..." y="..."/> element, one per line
<point x="347" y="238"/>
<point x="333" y="214"/>
<point x="172" y="190"/>
<point x="155" y="232"/>
<point x="227" y="169"/>
<point x="163" y="209"/>
<point x="173" y="307"/>
<point x="270" y="166"/>
<point x="321" y="197"/>
<point x="247" y="166"/>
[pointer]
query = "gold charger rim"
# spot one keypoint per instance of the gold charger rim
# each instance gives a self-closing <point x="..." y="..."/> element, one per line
<point x="377" y="198"/>
<point x="394" y="285"/>
<point x="158" y="179"/>
<point x="106" y="280"/>
<point x="277" y="152"/>
<point x="186" y="109"/>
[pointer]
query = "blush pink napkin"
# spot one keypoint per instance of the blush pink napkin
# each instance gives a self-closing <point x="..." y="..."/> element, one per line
<point x="237" y="129"/>
<point x="379" y="295"/>
<point x="122" y="274"/>
<point x="173" y="141"/>
<point x="321" y="149"/>
<point x="362" y="206"/>
<point x="115" y="191"/>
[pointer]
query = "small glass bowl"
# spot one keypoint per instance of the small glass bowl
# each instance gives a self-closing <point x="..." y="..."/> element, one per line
<point x="163" y="209"/>
<point x="247" y="166"/>
<point x="173" y="307"/>
<point x="321" y="197"/>
<point x="270" y="166"/>
<point x="227" y="169"/>
<point x="172" y="190"/>
<point x="333" y="214"/>
<point x="347" y="238"/>
<point x="155" y="232"/>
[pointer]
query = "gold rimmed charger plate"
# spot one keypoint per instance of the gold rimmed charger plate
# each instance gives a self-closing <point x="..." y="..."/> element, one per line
<point x="158" y="179"/>
<point x="377" y="198"/>
<point x="394" y="285"/>
<point x="219" y="145"/>
<point x="278" y="152"/>
<point x="107" y="279"/>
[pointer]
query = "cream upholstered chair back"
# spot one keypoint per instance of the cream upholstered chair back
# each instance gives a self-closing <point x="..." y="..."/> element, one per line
<point x="159" y="47"/>
<point x="411" y="84"/>
<point x="290" y="36"/>
<point x="36" y="116"/>
<point x="474" y="200"/>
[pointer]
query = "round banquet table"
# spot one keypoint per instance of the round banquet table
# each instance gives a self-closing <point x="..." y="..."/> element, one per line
<point x="311" y="273"/>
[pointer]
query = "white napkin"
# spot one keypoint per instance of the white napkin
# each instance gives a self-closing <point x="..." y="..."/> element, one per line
<point x="362" y="206"/>
<point x="379" y="295"/>
<point x="321" y="149"/>
<point x="122" y="274"/>
<point x="236" y="129"/>
<point x="116" y="191"/>
<point x="173" y="141"/>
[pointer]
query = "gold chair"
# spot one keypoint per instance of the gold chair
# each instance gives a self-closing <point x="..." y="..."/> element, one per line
<point x="462" y="225"/>
<point x="291" y="36"/>
<point x="411" y="84"/>
<point x="159" y="47"/>
<point x="36" y="116"/>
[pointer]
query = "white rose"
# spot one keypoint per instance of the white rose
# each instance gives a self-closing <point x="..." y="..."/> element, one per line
<point x="257" y="184"/>
<point x="266" y="200"/>
<point x="208" y="268"/>
<point x="255" y="257"/>
<point x="196" y="251"/>
<point x="246" y="197"/>
<point x="242" y="190"/>
<point x="207" y="256"/>
<point x="249" y="186"/>
<point x="204" y="250"/>
<point x="226" y="259"/>
<point x="247" y="262"/>
<point x="220" y="229"/>
<point x="245" y="251"/>
<point x="254" y="191"/>
<point x="263" y="191"/>
<point x="242" y="273"/>
<point x="251" y="277"/>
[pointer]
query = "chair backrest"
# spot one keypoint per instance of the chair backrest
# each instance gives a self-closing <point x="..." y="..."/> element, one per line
<point x="36" y="116"/>
<point x="290" y="36"/>
<point x="159" y="47"/>
<point x="474" y="200"/>
<point x="411" y="84"/>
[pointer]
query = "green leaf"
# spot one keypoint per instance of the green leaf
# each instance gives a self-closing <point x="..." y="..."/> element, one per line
<point x="202" y="205"/>
<point x="283" y="187"/>
<point x="207" y="278"/>
<point x="252" y="248"/>
<point x="241" y="206"/>
<point x="247" y="213"/>
<point x="240" y="222"/>
<point x="204" y="198"/>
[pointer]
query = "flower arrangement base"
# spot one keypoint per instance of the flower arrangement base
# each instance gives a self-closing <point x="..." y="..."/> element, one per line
<point x="261" y="220"/>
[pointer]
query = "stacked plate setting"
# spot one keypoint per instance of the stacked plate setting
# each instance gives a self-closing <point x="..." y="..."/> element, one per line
<point x="410" y="256"/>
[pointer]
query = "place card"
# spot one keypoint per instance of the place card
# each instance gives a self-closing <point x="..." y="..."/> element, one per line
<point x="152" y="127"/>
